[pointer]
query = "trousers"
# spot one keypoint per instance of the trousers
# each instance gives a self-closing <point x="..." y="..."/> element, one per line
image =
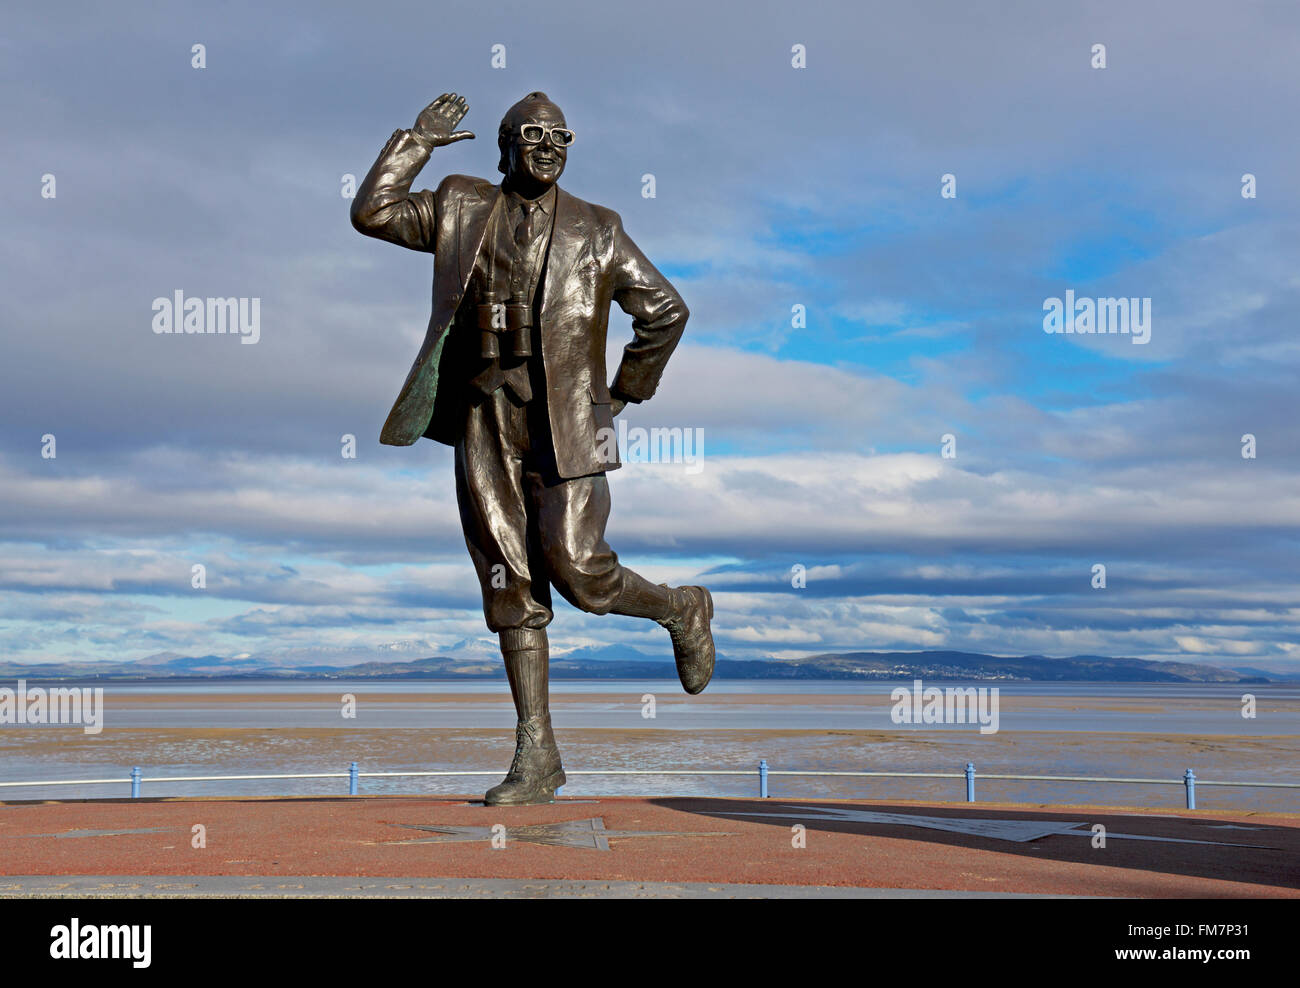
<point x="526" y="528"/>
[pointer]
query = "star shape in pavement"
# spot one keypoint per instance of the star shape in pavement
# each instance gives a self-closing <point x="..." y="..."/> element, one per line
<point x="590" y="834"/>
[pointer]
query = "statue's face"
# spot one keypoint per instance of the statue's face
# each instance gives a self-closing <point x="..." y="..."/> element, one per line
<point x="541" y="163"/>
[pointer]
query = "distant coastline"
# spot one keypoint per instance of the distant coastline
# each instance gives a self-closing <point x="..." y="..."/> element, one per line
<point x="857" y="666"/>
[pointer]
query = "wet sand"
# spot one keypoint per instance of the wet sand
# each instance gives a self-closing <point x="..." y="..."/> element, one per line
<point x="52" y="753"/>
<point x="666" y="693"/>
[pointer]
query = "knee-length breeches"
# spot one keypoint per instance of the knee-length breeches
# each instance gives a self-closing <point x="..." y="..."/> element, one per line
<point x="526" y="528"/>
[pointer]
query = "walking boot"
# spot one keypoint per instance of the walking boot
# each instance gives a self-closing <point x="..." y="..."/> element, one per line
<point x="688" y="624"/>
<point x="536" y="772"/>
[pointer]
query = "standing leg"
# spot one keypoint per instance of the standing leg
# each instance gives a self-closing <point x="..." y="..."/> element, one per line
<point x="527" y="655"/>
<point x="536" y="771"/>
<point x="493" y="513"/>
<point x="504" y="547"/>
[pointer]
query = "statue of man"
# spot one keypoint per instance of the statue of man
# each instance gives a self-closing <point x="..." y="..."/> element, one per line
<point x="512" y="375"/>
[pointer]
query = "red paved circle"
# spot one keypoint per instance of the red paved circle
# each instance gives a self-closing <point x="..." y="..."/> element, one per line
<point x="847" y="843"/>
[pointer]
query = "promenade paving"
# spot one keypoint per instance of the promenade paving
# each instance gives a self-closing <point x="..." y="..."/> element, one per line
<point x="636" y="846"/>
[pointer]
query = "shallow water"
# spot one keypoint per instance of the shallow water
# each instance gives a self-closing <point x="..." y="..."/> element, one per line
<point x="1045" y="729"/>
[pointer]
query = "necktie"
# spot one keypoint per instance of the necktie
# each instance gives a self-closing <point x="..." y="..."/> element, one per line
<point x="516" y="377"/>
<point x="525" y="235"/>
<point x="524" y="231"/>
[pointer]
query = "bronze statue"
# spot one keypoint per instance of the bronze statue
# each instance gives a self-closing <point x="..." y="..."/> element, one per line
<point x="512" y="374"/>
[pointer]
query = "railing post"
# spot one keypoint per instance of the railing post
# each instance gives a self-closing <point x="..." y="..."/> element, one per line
<point x="352" y="780"/>
<point x="1189" y="780"/>
<point x="762" y="778"/>
<point x="970" y="782"/>
<point x="136" y="775"/>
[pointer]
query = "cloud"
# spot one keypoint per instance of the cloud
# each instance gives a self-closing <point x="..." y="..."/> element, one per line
<point x="774" y="187"/>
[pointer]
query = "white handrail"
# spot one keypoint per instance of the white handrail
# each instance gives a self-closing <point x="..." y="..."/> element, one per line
<point x="626" y="771"/>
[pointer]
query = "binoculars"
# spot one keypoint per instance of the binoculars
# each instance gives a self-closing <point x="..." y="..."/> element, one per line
<point x="514" y="318"/>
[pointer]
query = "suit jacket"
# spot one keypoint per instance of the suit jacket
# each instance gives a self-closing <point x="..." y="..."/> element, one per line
<point x="590" y="263"/>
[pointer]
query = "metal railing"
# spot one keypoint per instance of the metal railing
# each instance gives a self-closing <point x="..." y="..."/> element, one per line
<point x="1189" y="781"/>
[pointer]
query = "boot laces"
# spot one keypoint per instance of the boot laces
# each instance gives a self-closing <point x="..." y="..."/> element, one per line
<point x="676" y="621"/>
<point x="525" y="741"/>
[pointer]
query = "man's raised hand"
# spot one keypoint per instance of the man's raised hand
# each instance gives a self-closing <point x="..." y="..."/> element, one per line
<point x="436" y="124"/>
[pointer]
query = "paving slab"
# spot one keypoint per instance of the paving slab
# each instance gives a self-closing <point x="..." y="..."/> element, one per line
<point x="687" y="846"/>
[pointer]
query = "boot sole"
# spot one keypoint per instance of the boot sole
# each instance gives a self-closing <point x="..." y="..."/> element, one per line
<point x="548" y="786"/>
<point x="708" y="610"/>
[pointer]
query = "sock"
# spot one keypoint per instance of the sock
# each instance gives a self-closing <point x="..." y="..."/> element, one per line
<point x="641" y="598"/>
<point x="528" y="665"/>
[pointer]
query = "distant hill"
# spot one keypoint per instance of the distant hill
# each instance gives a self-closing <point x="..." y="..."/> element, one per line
<point x="1030" y="668"/>
<point x="615" y="663"/>
<point x="1271" y="675"/>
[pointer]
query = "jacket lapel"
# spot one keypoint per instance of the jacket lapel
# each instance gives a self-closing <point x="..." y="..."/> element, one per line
<point x="568" y="240"/>
<point x="471" y="226"/>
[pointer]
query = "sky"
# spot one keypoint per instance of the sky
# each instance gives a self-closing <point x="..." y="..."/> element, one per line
<point x="894" y="454"/>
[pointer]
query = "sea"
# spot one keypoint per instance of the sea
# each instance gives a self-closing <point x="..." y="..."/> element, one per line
<point x="1246" y="735"/>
